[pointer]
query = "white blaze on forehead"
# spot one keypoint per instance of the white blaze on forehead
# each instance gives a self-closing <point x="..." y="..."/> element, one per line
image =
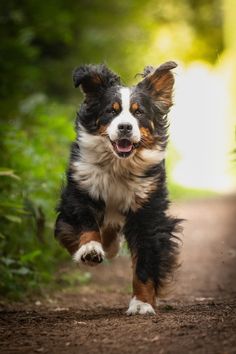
<point x="125" y="116"/>
<point x="125" y="98"/>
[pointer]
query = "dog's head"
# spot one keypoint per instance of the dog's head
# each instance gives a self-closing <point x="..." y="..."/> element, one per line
<point x="130" y="119"/>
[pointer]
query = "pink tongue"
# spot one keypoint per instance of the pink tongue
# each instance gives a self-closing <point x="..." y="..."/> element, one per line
<point x="124" y="148"/>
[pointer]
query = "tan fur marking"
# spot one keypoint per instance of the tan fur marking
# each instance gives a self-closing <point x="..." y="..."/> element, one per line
<point x="134" y="106"/>
<point x="116" y="106"/>
<point x="146" y="138"/>
<point x="145" y="132"/>
<point x="103" y="130"/>
<point x="163" y="83"/>
<point x="144" y="292"/>
<point x="89" y="236"/>
<point x="67" y="237"/>
<point x="141" y="201"/>
<point x="109" y="235"/>
<point x="111" y="240"/>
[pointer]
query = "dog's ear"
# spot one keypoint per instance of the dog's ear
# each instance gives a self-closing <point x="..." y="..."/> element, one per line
<point x="94" y="78"/>
<point x="159" y="84"/>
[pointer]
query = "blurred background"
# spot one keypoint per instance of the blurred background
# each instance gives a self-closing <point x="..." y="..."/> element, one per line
<point x="41" y="43"/>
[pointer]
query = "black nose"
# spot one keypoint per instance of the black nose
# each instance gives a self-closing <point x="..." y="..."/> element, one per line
<point x="125" y="128"/>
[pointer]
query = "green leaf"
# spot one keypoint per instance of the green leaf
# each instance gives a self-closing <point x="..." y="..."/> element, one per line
<point x="13" y="218"/>
<point x="8" y="173"/>
<point x="28" y="257"/>
<point x="7" y="204"/>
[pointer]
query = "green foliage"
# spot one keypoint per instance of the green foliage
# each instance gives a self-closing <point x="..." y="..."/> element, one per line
<point x="42" y="41"/>
<point x="74" y="278"/>
<point x="39" y="153"/>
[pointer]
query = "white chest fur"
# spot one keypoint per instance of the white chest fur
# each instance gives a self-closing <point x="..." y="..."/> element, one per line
<point x="114" y="180"/>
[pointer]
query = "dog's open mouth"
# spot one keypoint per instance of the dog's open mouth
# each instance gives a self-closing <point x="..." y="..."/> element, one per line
<point x="123" y="147"/>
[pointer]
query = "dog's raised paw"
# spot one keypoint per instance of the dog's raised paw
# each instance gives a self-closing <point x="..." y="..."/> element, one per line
<point x="90" y="254"/>
<point x="139" y="307"/>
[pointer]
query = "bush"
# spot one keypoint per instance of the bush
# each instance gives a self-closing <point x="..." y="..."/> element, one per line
<point x="34" y="156"/>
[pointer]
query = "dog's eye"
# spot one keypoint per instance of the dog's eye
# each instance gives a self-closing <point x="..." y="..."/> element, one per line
<point x="138" y="112"/>
<point x="112" y="111"/>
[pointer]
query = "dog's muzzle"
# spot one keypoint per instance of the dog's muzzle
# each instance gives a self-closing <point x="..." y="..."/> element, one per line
<point x="124" y="141"/>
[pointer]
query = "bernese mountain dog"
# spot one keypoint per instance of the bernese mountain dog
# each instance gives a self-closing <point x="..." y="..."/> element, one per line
<point x="116" y="179"/>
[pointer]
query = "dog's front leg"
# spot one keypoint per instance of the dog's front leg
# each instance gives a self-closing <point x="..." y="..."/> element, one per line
<point x="90" y="250"/>
<point x="84" y="246"/>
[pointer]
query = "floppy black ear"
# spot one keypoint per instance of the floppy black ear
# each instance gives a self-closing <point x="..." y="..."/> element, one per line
<point x="159" y="83"/>
<point x="94" y="78"/>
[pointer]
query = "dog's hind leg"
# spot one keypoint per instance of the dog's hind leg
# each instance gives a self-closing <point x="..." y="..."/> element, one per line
<point x="155" y="256"/>
<point x="144" y="294"/>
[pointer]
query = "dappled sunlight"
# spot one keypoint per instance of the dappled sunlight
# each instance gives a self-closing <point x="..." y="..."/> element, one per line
<point x="201" y="127"/>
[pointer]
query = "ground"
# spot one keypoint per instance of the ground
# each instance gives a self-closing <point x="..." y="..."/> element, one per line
<point x="197" y="315"/>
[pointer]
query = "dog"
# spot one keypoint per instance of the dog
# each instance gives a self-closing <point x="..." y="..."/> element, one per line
<point x="116" y="179"/>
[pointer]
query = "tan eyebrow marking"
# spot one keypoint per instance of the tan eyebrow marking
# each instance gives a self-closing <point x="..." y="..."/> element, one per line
<point x="134" y="106"/>
<point x="116" y="106"/>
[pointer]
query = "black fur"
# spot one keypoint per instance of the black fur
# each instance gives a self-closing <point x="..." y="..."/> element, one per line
<point x="152" y="234"/>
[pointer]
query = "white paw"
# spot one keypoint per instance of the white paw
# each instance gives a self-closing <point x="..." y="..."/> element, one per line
<point x="139" y="307"/>
<point x="90" y="253"/>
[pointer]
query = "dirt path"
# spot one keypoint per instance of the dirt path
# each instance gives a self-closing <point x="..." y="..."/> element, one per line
<point x="197" y="317"/>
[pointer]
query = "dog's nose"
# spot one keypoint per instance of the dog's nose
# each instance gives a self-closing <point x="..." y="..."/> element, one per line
<point x="125" y="128"/>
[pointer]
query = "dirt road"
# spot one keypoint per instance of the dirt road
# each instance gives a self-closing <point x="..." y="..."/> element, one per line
<point x="198" y="316"/>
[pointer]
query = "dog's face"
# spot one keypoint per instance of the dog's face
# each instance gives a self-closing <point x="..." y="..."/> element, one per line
<point x="130" y="119"/>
